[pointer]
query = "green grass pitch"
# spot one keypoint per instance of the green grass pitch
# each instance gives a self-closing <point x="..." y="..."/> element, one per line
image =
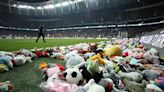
<point x="26" y="78"/>
<point x="16" y="44"/>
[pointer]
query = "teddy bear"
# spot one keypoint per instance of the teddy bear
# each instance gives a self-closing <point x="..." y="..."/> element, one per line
<point x="21" y="60"/>
<point x="91" y="86"/>
<point x="73" y="59"/>
<point x="113" y="51"/>
<point x="97" y="58"/>
<point x="49" y="69"/>
<point x="73" y="75"/>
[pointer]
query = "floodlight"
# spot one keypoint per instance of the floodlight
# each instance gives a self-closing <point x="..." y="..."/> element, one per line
<point x="30" y="7"/>
<point x="14" y="5"/>
<point x="58" y="5"/>
<point x="39" y="7"/>
<point x="78" y="1"/>
<point x="50" y="6"/>
<point x="22" y="6"/>
<point x="65" y="3"/>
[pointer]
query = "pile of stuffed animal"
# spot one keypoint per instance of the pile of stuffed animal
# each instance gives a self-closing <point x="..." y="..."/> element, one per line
<point x="113" y="66"/>
<point x="9" y="60"/>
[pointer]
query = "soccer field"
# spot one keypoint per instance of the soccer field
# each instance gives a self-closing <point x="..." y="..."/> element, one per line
<point x="26" y="78"/>
<point x="16" y="44"/>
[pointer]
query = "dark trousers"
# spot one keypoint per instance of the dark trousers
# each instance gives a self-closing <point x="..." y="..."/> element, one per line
<point x="40" y="34"/>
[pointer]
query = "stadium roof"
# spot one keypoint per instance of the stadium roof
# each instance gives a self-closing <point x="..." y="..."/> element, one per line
<point x="33" y="1"/>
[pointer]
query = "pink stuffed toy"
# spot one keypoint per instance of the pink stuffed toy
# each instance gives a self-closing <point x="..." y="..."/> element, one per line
<point x="58" y="86"/>
<point x="125" y="54"/>
<point x="51" y="71"/>
<point x="137" y="53"/>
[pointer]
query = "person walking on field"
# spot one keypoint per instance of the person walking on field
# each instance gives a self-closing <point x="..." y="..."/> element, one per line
<point x="40" y="33"/>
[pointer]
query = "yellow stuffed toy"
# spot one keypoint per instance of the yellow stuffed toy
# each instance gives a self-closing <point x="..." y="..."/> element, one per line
<point x="98" y="58"/>
<point x="42" y="65"/>
<point x="113" y="51"/>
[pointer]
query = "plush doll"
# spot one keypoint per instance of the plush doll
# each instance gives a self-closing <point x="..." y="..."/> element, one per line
<point x="111" y="66"/>
<point x="104" y="71"/>
<point x="107" y="83"/>
<point x="126" y="52"/>
<point x="51" y="71"/>
<point x="150" y="59"/>
<point x="149" y="75"/>
<point x="53" y="68"/>
<point x="6" y="86"/>
<point x="133" y="61"/>
<point x="41" y="53"/>
<point x="58" y="86"/>
<point x="153" y="51"/>
<point x="4" y="68"/>
<point x="73" y="75"/>
<point x="122" y="64"/>
<point x="28" y="53"/>
<point x="4" y="53"/>
<point x="133" y="76"/>
<point x="20" y="60"/>
<point x="98" y="59"/>
<point x="140" y="46"/>
<point x="97" y="76"/>
<point x="88" y="55"/>
<point x="113" y="51"/>
<point x="7" y="60"/>
<point x="91" y="86"/>
<point x="138" y="53"/>
<point x="92" y="66"/>
<point x="160" y="82"/>
<point x="42" y="65"/>
<point x="133" y="86"/>
<point x="161" y="59"/>
<point x="132" y="44"/>
<point x="70" y="54"/>
<point x="74" y="60"/>
<point x="153" y="88"/>
<point x="57" y="55"/>
<point x="115" y="78"/>
<point x="85" y="73"/>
